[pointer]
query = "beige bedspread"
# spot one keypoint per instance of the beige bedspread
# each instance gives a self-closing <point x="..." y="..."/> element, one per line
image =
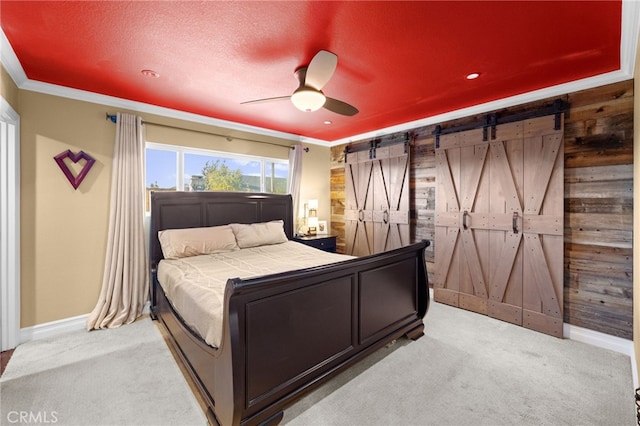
<point x="195" y="285"/>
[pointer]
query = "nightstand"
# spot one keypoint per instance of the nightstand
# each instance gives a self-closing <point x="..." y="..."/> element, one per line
<point x="322" y="242"/>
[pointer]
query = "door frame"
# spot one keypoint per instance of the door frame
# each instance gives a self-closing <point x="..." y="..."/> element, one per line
<point x="9" y="226"/>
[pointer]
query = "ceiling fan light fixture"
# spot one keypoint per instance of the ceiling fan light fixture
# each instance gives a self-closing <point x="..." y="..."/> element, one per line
<point x="308" y="100"/>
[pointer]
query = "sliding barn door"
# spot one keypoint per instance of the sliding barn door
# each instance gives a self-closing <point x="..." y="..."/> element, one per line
<point x="499" y="223"/>
<point x="391" y="198"/>
<point x="377" y="200"/>
<point x="462" y="203"/>
<point x="358" y="210"/>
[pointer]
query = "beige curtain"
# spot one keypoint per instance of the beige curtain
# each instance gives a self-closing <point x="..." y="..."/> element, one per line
<point x="295" y="179"/>
<point x="125" y="282"/>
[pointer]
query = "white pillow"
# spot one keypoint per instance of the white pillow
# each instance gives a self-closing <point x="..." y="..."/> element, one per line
<point x="259" y="234"/>
<point x="178" y="243"/>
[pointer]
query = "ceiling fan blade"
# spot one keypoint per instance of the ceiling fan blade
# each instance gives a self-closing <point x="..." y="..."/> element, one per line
<point x="259" y="101"/>
<point x="340" y="107"/>
<point x="320" y="69"/>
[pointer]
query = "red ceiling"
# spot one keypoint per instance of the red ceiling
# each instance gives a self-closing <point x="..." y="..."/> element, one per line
<point x="397" y="61"/>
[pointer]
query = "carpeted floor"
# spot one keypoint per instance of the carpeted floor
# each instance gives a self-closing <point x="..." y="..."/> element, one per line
<point x="123" y="376"/>
<point x="467" y="370"/>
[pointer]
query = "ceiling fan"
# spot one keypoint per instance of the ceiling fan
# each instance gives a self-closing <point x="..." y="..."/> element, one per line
<point x="308" y="96"/>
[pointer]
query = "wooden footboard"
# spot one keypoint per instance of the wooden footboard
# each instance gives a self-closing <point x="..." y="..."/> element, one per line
<point x="286" y="334"/>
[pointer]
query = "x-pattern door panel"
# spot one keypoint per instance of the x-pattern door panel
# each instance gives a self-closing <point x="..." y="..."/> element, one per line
<point x="391" y="198"/>
<point x="377" y="200"/>
<point x="359" y="199"/>
<point x="499" y="223"/>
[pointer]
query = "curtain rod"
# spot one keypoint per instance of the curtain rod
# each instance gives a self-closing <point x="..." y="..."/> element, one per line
<point x="113" y="118"/>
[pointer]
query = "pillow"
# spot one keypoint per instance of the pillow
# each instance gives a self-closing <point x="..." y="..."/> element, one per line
<point x="259" y="234"/>
<point x="178" y="243"/>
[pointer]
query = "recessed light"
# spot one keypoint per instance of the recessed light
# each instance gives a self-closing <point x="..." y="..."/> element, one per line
<point x="473" y="76"/>
<point x="328" y="122"/>
<point x="150" y="73"/>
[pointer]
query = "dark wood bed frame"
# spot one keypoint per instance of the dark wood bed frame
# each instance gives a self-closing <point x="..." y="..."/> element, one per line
<point x="285" y="334"/>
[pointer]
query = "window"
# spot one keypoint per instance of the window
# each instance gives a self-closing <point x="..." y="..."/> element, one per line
<point x="171" y="168"/>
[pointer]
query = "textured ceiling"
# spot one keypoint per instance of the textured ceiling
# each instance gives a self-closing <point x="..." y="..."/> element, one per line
<point x="397" y="61"/>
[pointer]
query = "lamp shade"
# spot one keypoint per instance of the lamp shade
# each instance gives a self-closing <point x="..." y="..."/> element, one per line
<point x="306" y="99"/>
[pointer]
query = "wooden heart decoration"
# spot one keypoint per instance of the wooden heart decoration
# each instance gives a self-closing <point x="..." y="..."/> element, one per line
<point x="74" y="180"/>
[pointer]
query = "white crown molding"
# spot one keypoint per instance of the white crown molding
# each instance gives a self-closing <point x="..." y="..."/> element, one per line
<point x="630" y="30"/>
<point x="629" y="36"/>
<point x="96" y="98"/>
<point x="10" y="61"/>
<point x="15" y="70"/>
<point x="548" y="92"/>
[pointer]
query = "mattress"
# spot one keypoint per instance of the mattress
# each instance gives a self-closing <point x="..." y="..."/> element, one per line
<point x="195" y="285"/>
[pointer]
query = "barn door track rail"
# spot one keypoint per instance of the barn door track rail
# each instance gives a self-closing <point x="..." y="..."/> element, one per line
<point x="490" y="121"/>
<point x="374" y="144"/>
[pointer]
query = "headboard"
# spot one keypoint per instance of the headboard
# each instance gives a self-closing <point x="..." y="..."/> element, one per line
<point x="175" y="210"/>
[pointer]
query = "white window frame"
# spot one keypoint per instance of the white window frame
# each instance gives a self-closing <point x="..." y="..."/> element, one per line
<point x="182" y="150"/>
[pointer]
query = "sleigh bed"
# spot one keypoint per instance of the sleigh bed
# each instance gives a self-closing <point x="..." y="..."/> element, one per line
<point x="283" y="334"/>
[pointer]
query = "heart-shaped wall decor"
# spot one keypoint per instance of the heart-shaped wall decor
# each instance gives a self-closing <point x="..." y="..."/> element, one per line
<point x="74" y="180"/>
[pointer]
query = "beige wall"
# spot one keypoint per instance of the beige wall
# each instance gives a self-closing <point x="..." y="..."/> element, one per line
<point x="63" y="231"/>
<point x="8" y="89"/>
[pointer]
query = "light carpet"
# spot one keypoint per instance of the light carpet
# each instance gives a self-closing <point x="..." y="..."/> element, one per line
<point x="468" y="369"/>
<point x="121" y="376"/>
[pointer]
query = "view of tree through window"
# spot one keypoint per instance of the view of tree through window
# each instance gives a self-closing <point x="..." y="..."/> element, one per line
<point x="170" y="167"/>
<point x="219" y="177"/>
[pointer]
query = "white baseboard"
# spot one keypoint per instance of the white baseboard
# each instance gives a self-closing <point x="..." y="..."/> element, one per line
<point x="595" y="338"/>
<point x="54" y="328"/>
<point x="601" y="340"/>
<point x="605" y="341"/>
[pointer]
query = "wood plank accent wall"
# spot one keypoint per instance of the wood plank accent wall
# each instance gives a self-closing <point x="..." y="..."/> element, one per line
<point x="598" y="194"/>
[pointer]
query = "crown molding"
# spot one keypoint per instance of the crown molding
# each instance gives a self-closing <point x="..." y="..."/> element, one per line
<point x="96" y="98"/>
<point x="630" y="30"/>
<point x="15" y="70"/>
<point x="549" y="92"/>
<point x="10" y="61"/>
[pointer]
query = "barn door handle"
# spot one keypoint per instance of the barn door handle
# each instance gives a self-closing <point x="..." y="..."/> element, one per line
<point x="515" y="222"/>
<point x="360" y="215"/>
<point x="464" y="220"/>
<point x="385" y="216"/>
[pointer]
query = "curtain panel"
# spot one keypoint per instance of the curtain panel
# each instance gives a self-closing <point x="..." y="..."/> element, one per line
<point x="125" y="283"/>
<point x="295" y="179"/>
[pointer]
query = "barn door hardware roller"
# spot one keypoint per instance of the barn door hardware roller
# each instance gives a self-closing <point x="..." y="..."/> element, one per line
<point x="374" y="144"/>
<point x="490" y="120"/>
<point x="494" y="119"/>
